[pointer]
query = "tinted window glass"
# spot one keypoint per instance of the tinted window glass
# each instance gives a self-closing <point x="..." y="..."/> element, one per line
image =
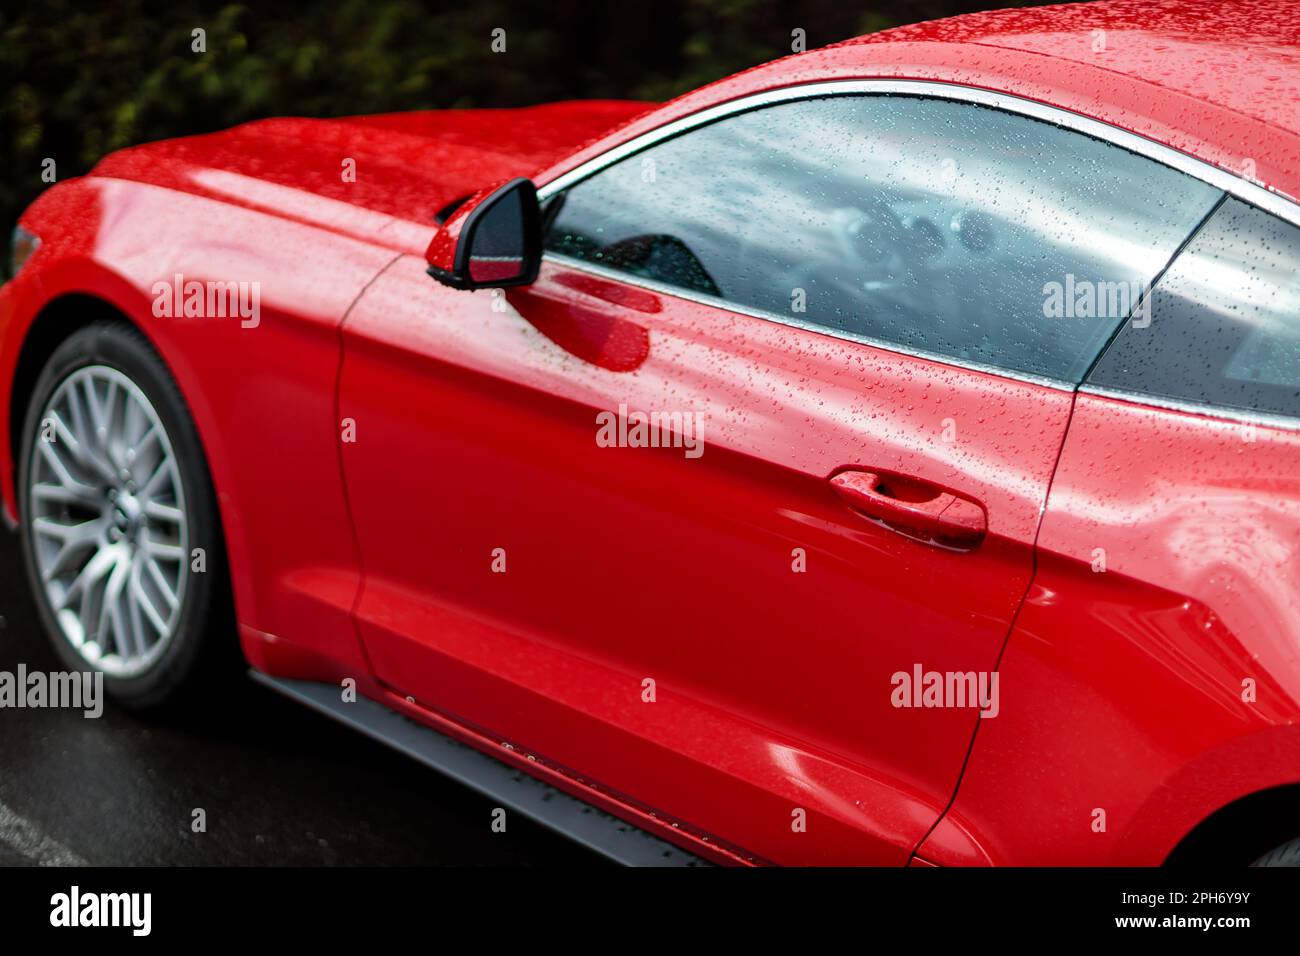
<point x="936" y="225"/>
<point x="1224" y="320"/>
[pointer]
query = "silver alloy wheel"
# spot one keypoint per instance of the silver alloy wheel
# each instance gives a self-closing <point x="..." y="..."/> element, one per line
<point x="109" y="529"/>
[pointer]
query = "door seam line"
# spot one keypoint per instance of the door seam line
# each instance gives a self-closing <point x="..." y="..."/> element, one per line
<point x="1011" y="627"/>
<point x="342" y="471"/>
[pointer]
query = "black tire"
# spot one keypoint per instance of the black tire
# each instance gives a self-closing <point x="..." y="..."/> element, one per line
<point x="1288" y="854"/>
<point x="203" y="639"/>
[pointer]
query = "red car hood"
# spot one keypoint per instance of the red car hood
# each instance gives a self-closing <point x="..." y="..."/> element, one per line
<point x="407" y="165"/>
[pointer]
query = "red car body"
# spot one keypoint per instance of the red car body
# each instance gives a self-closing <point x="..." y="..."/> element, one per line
<point x="1121" y="691"/>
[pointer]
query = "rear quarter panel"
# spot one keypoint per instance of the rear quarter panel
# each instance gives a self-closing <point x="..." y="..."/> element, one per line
<point x="1139" y="699"/>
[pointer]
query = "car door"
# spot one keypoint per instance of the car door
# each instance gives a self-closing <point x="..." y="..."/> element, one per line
<point x="728" y="514"/>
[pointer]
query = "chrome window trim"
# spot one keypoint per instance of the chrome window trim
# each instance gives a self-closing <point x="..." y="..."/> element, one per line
<point x="1241" y="415"/>
<point x="1276" y="203"/>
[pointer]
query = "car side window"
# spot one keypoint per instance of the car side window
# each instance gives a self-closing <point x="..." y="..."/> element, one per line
<point x="1223" y="324"/>
<point x="940" y="226"/>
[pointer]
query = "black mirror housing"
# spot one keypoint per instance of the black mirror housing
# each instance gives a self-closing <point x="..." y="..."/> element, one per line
<point x="491" y="241"/>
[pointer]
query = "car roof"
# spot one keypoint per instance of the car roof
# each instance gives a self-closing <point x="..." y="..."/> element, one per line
<point x="1219" y="82"/>
<point x="1241" y="54"/>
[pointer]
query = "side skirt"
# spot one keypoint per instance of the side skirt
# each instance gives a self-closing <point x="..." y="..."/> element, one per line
<point x="511" y="788"/>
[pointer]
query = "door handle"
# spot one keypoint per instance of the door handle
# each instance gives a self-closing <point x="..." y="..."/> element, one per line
<point x="913" y="507"/>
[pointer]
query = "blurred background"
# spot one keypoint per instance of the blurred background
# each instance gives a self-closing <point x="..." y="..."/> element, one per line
<point x="83" y="80"/>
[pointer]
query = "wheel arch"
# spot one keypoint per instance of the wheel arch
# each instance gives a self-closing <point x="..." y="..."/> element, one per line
<point x="1244" y="791"/>
<point x="1242" y="831"/>
<point x="55" y="320"/>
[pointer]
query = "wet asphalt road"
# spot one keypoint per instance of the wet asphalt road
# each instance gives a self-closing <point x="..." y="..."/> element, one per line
<point x="279" y="784"/>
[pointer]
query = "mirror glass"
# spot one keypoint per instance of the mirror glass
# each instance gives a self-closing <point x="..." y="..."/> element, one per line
<point x="498" y="251"/>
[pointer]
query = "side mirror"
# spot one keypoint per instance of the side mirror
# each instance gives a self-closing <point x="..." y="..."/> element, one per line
<point x="492" y="240"/>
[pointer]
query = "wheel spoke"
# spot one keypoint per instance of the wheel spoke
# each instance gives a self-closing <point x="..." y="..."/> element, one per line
<point x="134" y="424"/>
<point x="161" y="512"/>
<point x="86" y="392"/>
<point x="74" y="538"/>
<point x="83" y="451"/>
<point x="145" y="440"/>
<point x="83" y="430"/>
<point x="140" y="599"/>
<point x="61" y="471"/>
<point x="160" y="472"/>
<point x="165" y="588"/>
<point x="111" y="619"/>
<point x="111" y="416"/>
<point x="95" y="571"/>
<point x="92" y="592"/>
<point x="168" y="552"/>
<point x="76" y="494"/>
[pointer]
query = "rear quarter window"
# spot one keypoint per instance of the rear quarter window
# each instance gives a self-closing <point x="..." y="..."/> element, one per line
<point x="1223" y="323"/>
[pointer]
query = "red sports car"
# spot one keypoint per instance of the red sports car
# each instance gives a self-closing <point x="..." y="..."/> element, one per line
<point x="888" y="455"/>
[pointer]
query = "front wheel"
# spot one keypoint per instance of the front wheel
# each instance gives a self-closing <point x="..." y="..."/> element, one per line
<point x="119" y="523"/>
